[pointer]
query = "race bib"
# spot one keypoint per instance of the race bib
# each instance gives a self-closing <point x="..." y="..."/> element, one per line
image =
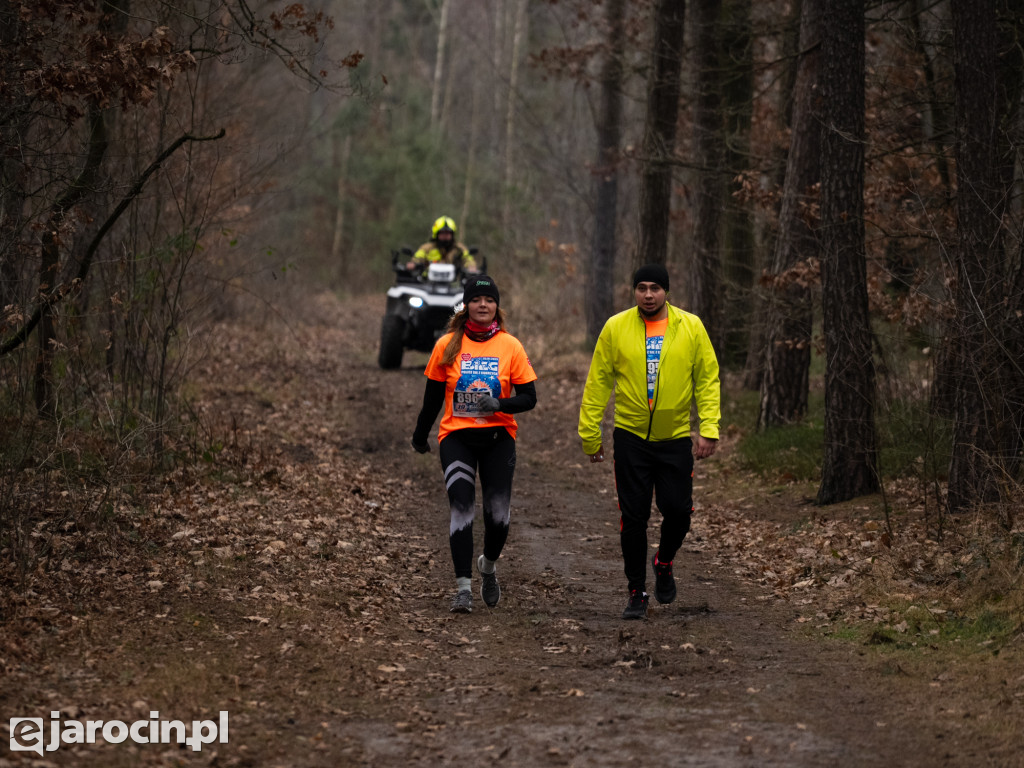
<point x="653" y="360"/>
<point x="478" y="379"/>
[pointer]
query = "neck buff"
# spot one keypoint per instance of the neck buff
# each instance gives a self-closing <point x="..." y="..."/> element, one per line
<point x="480" y="332"/>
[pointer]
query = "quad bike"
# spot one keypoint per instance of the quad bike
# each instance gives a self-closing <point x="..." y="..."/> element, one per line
<point x="419" y="305"/>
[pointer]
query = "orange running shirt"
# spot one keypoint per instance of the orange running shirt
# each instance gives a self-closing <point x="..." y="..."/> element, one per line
<point x="481" y="368"/>
<point x="655" y="338"/>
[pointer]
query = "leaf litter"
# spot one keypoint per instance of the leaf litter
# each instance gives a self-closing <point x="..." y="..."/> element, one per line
<point x="300" y="581"/>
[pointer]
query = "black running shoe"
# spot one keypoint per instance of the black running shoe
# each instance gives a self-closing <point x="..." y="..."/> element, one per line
<point x="636" y="608"/>
<point x="489" y="589"/>
<point x="664" y="582"/>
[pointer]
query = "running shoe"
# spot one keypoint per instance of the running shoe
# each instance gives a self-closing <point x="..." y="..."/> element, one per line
<point x="664" y="582"/>
<point x="636" y="608"/>
<point x="462" y="602"/>
<point x="489" y="589"/>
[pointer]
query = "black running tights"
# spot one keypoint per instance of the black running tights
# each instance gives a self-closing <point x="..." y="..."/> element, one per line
<point x="492" y="452"/>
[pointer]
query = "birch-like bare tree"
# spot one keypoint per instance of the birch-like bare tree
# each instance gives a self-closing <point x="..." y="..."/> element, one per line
<point x="519" y="35"/>
<point x="439" y="61"/>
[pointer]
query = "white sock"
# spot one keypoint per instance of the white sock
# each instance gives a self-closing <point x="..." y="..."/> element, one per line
<point x="463" y="584"/>
<point x="484" y="565"/>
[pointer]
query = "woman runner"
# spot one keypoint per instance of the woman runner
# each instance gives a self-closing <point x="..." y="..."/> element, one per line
<point x="472" y="372"/>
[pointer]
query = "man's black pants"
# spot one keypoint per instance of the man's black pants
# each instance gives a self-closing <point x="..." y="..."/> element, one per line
<point x="646" y="470"/>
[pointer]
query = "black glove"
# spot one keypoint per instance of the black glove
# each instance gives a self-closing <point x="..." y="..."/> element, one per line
<point x="488" y="404"/>
<point x="421" y="447"/>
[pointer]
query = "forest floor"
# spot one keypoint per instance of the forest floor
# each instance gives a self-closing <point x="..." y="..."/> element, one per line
<point x="299" y="579"/>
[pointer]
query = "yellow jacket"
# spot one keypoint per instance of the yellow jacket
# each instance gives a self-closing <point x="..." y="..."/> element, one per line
<point x="458" y="254"/>
<point x="688" y="372"/>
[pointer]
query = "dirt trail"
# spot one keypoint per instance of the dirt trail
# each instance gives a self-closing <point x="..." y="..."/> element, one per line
<point x="303" y="587"/>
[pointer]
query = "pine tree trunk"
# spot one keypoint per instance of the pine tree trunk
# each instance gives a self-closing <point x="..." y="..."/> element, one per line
<point x="14" y="122"/>
<point x="849" y="468"/>
<point x="787" y="354"/>
<point x="659" y="142"/>
<point x="983" y="180"/>
<point x="738" y="242"/>
<point x="705" y="284"/>
<point x="599" y="295"/>
<point x="753" y="372"/>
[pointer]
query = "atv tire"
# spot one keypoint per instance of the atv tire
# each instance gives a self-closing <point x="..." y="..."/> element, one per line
<point x="392" y="334"/>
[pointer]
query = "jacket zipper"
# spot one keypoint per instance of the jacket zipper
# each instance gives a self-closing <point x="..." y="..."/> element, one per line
<point x="657" y="376"/>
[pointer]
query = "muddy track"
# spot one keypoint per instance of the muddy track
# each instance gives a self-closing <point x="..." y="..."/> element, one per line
<point x="721" y="677"/>
<point x="301" y="582"/>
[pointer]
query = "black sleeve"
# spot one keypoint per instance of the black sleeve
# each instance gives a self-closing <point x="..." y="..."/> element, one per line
<point x="433" y="399"/>
<point x="524" y="399"/>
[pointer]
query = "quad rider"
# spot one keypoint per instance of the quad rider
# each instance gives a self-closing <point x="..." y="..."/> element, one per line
<point x="443" y="248"/>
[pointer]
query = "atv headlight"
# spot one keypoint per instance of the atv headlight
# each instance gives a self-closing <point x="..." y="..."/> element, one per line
<point x="415" y="302"/>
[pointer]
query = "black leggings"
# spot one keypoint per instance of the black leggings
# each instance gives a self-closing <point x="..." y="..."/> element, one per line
<point x="643" y="468"/>
<point x="493" y="451"/>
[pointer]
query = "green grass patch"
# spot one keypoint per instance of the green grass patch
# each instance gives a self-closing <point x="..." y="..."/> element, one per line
<point x="912" y="441"/>
<point x="914" y="627"/>
<point x="792" y="452"/>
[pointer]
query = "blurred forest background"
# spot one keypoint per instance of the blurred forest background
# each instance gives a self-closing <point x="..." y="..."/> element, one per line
<point x="835" y="186"/>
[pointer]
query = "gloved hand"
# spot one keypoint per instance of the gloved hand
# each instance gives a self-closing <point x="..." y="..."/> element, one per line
<point x="421" y="447"/>
<point x="488" y="404"/>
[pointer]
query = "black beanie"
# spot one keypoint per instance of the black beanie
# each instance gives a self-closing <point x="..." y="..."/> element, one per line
<point x="651" y="273"/>
<point x="480" y="285"/>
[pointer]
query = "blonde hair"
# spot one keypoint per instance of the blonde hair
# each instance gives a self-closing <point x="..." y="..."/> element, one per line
<point x="457" y="328"/>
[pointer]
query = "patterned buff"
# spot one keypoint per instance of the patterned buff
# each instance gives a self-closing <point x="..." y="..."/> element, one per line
<point x="480" y="332"/>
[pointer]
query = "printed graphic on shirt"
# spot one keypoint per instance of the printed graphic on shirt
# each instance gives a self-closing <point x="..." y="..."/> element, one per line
<point x="478" y="378"/>
<point x="653" y="361"/>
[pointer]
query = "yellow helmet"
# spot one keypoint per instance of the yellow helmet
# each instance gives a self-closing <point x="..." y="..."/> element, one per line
<point x="443" y="222"/>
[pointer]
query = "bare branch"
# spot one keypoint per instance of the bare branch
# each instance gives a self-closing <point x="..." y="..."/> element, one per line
<point x="59" y="293"/>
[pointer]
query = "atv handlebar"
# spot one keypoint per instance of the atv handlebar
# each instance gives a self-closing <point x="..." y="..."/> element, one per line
<point x="402" y="256"/>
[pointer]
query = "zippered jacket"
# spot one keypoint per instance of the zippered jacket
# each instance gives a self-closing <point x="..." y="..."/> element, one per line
<point x="458" y="254"/>
<point x="688" y="372"/>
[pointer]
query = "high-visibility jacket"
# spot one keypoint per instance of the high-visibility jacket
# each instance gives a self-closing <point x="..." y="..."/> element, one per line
<point x="687" y="372"/>
<point x="458" y="254"/>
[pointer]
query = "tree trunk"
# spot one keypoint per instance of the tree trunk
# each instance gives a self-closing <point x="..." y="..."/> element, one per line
<point x="934" y="118"/>
<point x="599" y="295"/>
<point x="1010" y="89"/>
<point x="705" y="284"/>
<point x="987" y="375"/>
<point x="14" y="122"/>
<point x="787" y="353"/>
<point x="442" y="44"/>
<point x="474" y="140"/>
<point x="518" y="39"/>
<point x="49" y="263"/>
<point x="849" y="467"/>
<point x="738" y="242"/>
<point x="659" y="142"/>
<point x="757" y="340"/>
<point x="342" y="151"/>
